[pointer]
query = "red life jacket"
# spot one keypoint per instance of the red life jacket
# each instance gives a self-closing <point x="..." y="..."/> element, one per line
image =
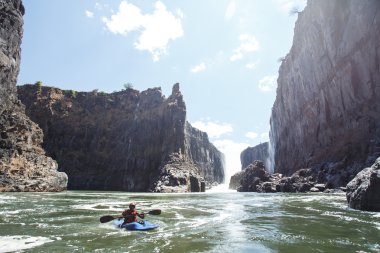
<point x="129" y="216"/>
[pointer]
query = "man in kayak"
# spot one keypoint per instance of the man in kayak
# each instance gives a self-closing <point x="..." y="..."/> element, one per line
<point x="130" y="215"/>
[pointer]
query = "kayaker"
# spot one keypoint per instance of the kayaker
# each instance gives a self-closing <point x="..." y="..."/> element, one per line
<point x="130" y="215"/>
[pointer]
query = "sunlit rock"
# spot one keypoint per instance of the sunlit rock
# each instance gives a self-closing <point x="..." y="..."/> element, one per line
<point x="327" y="112"/>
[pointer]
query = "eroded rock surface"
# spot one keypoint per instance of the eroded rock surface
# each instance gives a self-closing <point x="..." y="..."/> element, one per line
<point x="255" y="178"/>
<point x="363" y="192"/>
<point x="326" y="115"/>
<point x="23" y="163"/>
<point x="123" y="141"/>
<point x="251" y="154"/>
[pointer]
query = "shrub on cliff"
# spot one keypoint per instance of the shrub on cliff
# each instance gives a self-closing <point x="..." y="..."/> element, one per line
<point x="71" y="93"/>
<point x="128" y="86"/>
<point x="38" y="84"/>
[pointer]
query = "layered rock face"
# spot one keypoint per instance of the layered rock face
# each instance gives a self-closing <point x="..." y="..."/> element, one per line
<point x="326" y="115"/>
<point x="128" y="140"/>
<point x="199" y="149"/>
<point x="251" y="154"/>
<point x="23" y="163"/>
<point x="363" y="192"/>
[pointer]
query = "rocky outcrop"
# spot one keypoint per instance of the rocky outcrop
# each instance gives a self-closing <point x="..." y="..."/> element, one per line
<point x="23" y="163"/>
<point x="248" y="179"/>
<point x="127" y="140"/>
<point x="363" y="192"/>
<point x="326" y="115"/>
<point x="251" y="154"/>
<point x="180" y="175"/>
<point x="255" y="178"/>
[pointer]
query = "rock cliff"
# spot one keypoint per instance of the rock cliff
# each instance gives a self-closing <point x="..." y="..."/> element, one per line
<point x="326" y="115"/>
<point x="128" y="140"/>
<point x="199" y="149"/>
<point x="23" y="163"/>
<point x="251" y="154"/>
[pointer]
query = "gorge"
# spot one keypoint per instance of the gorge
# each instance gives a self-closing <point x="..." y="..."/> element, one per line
<point x="326" y="115"/>
<point x="325" y="122"/>
<point x="127" y="140"/>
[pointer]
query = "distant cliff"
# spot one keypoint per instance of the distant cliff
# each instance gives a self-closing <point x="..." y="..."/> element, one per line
<point x="251" y="154"/>
<point x="23" y="164"/>
<point x="326" y="114"/>
<point x="127" y="140"/>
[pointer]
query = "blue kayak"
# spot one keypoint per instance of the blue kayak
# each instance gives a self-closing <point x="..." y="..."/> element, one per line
<point x="135" y="225"/>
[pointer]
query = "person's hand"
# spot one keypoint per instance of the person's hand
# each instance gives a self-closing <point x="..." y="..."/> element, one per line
<point x="142" y="215"/>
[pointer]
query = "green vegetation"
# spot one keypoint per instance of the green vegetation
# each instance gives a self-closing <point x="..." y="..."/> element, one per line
<point x="128" y="86"/>
<point x="38" y="84"/>
<point x="73" y="93"/>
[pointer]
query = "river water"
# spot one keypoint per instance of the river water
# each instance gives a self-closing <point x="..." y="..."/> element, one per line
<point x="196" y="222"/>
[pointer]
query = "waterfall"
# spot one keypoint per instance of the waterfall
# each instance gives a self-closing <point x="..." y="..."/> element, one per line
<point x="136" y="111"/>
<point x="270" y="162"/>
<point x="231" y="162"/>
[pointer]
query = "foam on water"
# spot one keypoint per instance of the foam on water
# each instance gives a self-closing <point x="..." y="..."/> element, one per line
<point x="9" y="212"/>
<point x="222" y="217"/>
<point x="95" y="207"/>
<point x="21" y="242"/>
<point x="220" y="188"/>
<point x="244" y="222"/>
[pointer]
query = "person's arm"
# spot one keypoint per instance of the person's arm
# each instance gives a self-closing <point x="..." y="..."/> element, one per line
<point x="141" y="215"/>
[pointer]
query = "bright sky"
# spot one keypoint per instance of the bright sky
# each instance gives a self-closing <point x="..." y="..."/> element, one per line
<point x="224" y="53"/>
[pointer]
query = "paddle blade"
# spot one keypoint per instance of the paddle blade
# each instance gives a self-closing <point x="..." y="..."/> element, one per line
<point x="155" y="212"/>
<point x="106" y="218"/>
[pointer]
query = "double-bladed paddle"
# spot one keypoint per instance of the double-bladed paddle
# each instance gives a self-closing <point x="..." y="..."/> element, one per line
<point x="108" y="218"/>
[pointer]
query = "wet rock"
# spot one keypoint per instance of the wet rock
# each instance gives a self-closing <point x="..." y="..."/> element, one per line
<point x="266" y="187"/>
<point x="363" y="192"/>
<point x="321" y="187"/>
<point x="250" y="177"/>
<point x="300" y="181"/>
<point x="343" y="189"/>
<point x="333" y="191"/>
<point x="314" y="189"/>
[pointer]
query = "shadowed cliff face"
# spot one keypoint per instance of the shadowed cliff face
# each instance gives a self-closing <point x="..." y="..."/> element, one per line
<point x="327" y="111"/>
<point x="23" y="164"/>
<point x="206" y="156"/>
<point x="251" y="154"/>
<point x="120" y="141"/>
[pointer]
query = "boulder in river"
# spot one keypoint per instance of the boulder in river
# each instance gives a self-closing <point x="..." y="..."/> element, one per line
<point x="363" y="192"/>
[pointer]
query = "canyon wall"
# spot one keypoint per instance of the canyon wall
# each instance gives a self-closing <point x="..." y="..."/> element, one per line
<point x="251" y="154"/>
<point x="327" y="112"/>
<point x="199" y="149"/>
<point x="23" y="163"/>
<point x="127" y="140"/>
